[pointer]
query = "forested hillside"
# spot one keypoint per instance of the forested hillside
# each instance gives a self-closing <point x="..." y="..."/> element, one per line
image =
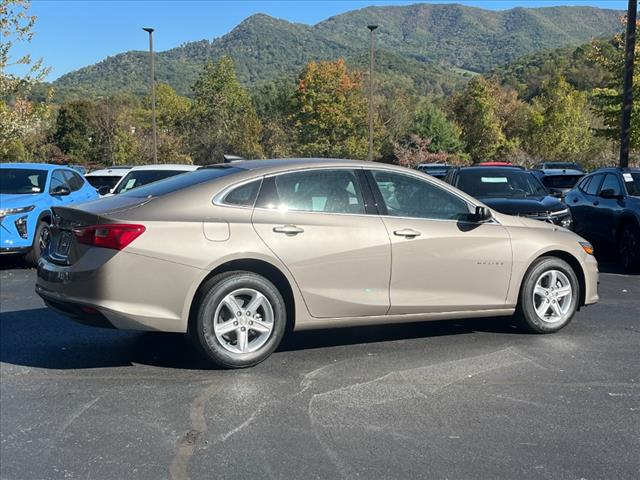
<point x="431" y="46"/>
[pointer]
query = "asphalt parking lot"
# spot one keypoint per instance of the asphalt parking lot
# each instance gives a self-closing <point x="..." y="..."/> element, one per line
<point x="457" y="400"/>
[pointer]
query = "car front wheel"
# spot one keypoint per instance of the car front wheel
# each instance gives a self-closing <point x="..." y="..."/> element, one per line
<point x="40" y="243"/>
<point x="240" y="320"/>
<point x="549" y="296"/>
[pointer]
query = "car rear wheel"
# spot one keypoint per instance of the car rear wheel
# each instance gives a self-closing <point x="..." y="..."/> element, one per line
<point x="40" y="243"/>
<point x="549" y="296"/>
<point x="629" y="247"/>
<point x="240" y="320"/>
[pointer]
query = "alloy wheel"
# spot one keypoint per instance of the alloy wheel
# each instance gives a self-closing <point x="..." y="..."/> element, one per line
<point x="243" y="321"/>
<point x="552" y="296"/>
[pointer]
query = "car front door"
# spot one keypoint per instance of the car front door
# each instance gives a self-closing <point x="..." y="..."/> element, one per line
<point x="439" y="263"/>
<point x="607" y="211"/>
<point x="582" y="204"/>
<point x="316" y="222"/>
<point x="59" y="180"/>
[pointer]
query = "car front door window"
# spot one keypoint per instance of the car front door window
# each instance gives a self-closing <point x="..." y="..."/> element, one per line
<point x="58" y="180"/>
<point x="408" y="196"/>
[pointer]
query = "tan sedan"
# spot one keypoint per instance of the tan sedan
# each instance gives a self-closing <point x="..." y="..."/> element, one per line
<point x="237" y="254"/>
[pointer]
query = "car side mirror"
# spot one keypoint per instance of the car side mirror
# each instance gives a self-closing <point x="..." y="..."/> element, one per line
<point x="609" y="193"/>
<point x="60" y="191"/>
<point x="104" y="190"/>
<point x="481" y="214"/>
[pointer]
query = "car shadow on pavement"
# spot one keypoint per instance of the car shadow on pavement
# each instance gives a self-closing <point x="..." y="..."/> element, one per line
<point x="41" y="338"/>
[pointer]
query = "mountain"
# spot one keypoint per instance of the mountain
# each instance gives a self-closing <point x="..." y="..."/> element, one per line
<point x="432" y="46"/>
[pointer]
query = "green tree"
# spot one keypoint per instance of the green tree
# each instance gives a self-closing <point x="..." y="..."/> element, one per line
<point x="431" y="123"/>
<point x="21" y="120"/>
<point x="476" y="111"/>
<point x="608" y="99"/>
<point x="272" y="102"/>
<point x="75" y="130"/>
<point x="330" y="112"/>
<point x="222" y="118"/>
<point x="560" y="123"/>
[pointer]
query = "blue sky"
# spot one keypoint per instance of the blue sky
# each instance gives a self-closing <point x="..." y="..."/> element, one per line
<point x="73" y="34"/>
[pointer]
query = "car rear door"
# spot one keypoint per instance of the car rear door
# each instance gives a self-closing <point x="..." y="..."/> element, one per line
<point x="439" y="264"/>
<point x="316" y="221"/>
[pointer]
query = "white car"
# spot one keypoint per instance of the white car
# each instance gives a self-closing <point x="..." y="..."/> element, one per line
<point x="105" y="179"/>
<point x="138" y="176"/>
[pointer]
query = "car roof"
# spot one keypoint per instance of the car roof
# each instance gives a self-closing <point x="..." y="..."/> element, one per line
<point x="616" y="169"/>
<point x="109" y="172"/>
<point x="165" y="166"/>
<point x="36" y="166"/>
<point x="561" y="171"/>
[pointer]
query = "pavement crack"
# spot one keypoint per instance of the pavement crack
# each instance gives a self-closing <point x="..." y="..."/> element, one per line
<point x="178" y="469"/>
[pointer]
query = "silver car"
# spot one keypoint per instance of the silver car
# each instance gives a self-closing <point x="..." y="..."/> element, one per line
<point x="238" y="254"/>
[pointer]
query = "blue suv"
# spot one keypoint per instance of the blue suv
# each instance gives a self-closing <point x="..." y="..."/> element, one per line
<point x="27" y="193"/>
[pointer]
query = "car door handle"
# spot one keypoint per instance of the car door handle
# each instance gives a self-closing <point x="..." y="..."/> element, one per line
<point x="288" y="229"/>
<point x="407" y="232"/>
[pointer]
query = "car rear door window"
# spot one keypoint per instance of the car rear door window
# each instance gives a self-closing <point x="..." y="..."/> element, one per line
<point x="244" y="195"/>
<point x="322" y="190"/>
<point x="611" y="183"/>
<point x="408" y="196"/>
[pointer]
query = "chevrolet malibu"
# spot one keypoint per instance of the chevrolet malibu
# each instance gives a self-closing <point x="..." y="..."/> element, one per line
<point x="238" y="254"/>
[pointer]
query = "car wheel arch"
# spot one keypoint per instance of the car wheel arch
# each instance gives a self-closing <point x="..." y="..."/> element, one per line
<point x="260" y="267"/>
<point x="573" y="262"/>
<point x="626" y="219"/>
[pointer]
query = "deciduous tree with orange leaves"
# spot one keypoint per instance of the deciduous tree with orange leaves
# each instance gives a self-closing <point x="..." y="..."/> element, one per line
<point x="330" y="112"/>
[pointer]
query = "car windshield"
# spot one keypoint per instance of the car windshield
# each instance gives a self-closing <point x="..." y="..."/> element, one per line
<point x="99" y="181"/>
<point x="138" y="178"/>
<point x="500" y="183"/>
<point x="179" y="182"/>
<point x="559" y="165"/>
<point x="560" y="181"/>
<point x="632" y="181"/>
<point x="22" y="180"/>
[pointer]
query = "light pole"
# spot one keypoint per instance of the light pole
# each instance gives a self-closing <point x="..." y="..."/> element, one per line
<point x="627" y="90"/>
<point x="371" y="47"/>
<point x="152" y="80"/>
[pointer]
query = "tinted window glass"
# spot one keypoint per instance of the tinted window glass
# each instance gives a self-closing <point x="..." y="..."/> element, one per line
<point x="592" y="187"/>
<point x="179" y="182"/>
<point x="98" y="181"/>
<point x="138" y="178"/>
<point x="499" y="183"/>
<point x="22" y="180"/>
<point x="560" y="181"/>
<point x="58" y="180"/>
<point x="74" y="180"/>
<point x="408" y="196"/>
<point x="632" y="182"/>
<point x="611" y="182"/>
<point x="244" y="195"/>
<point x="330" y="191"/>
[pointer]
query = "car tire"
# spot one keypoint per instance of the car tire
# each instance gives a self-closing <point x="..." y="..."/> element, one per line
<point x="240" y="338"/>
<point x="40" y="242"/>
<point x="549" y="296"/>
<point x="629" y="247"/>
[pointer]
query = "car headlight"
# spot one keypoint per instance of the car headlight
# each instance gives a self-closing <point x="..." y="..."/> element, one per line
<point x="12" y="211"/>
<point x="562" y="218"/>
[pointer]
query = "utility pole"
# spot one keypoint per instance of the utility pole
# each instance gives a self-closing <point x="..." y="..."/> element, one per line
<point x="627" y="91"/>
<point x="371" y="51"/>
<point x="152" y="80"/>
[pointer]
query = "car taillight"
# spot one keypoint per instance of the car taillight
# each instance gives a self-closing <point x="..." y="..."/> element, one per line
<point x="110" y="235"/>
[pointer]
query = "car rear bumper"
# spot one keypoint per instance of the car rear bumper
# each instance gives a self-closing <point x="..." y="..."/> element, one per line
<point x="107" y="288"/>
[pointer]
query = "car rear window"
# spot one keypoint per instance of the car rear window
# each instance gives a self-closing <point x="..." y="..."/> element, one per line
<point x="178" y="182"/>
<point x="98" y="181"/>
<point x="560" y="181"/>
